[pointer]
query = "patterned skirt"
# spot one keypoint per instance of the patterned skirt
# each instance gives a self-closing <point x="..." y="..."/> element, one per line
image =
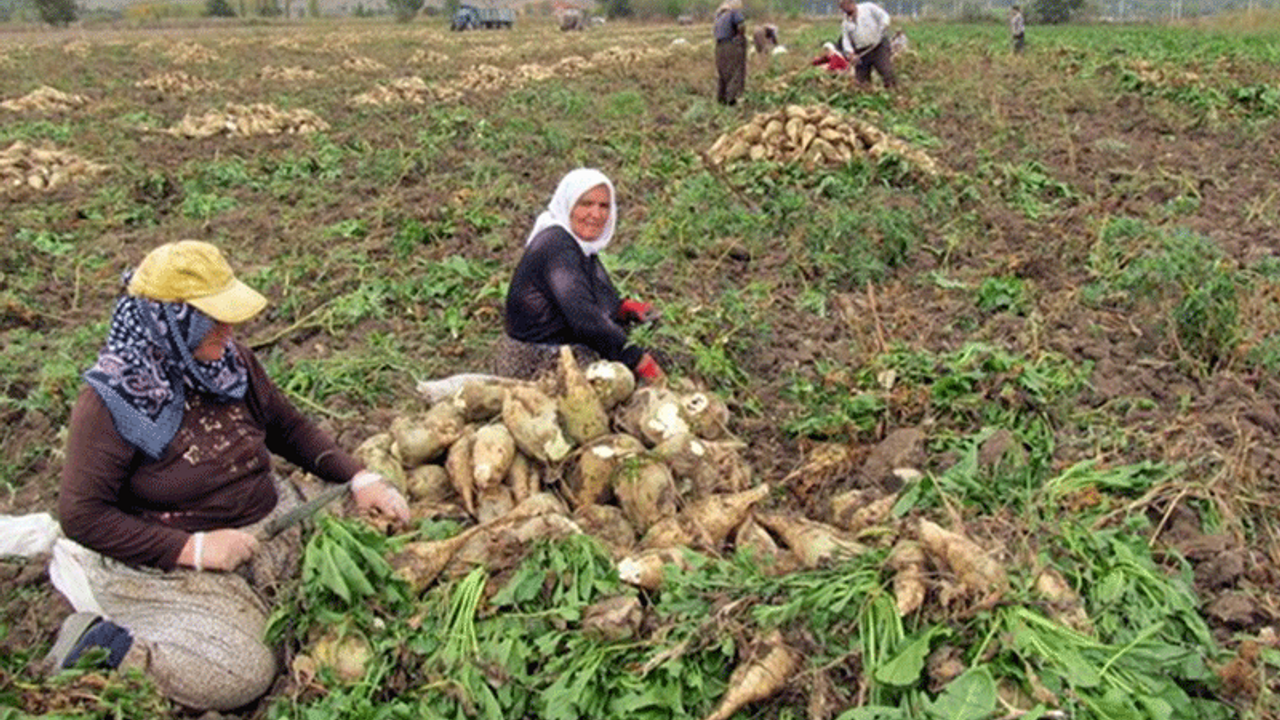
<point x="531" y="361"/>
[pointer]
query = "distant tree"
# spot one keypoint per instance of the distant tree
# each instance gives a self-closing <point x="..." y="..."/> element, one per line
<point x="57" y="12"/>
<point x="313" y="8"/>
<point x="405" y="10"/>
<point x="1054" y="12"/>
<point x="451" y="7"/>
<point x="617" y="8"/>
<point x="218" y="8"/>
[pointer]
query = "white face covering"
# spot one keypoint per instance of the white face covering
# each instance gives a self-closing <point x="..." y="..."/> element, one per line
<point x="572" y="187"/>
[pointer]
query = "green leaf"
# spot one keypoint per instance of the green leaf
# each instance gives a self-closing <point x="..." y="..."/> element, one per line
<point x="330" y="575"/>
<point x="1079" y="672"/>
<point x="969" y="697"/>
<point x="1114" y="705"/>
<point x="1110" y="588"/>
<point x="561" y="701"/>
<point x="372" y="560"/>
<point x="356" y="581"/>
<point x="492" y="709"/>
<point x="523" y="587"/>
<point x="1157" y="708"/>
<point x="874" y="712"/>
<point x="908" y="497"/>
<point x="904" y="668"/>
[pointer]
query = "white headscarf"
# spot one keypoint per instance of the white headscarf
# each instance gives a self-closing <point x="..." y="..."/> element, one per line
<point x="572" y="187"/>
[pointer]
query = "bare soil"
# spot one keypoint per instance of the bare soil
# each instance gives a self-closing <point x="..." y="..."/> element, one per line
<point x="1127" y="155"/>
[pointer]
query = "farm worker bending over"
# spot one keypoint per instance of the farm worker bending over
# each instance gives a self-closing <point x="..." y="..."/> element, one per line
<point x="730" y="29"/>
<point x="168" y="476"/>
<point x="832" y="58"/>
<point x="765" y="39"/>
<point x="560" y="293"/>
<point x="863" y="40"/>
<point x="899" y="44"/>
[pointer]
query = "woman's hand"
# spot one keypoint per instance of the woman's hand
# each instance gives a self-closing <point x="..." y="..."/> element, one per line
<point x="649" y="370"/>
<point x="373" y="492"/>
<point x="222" y="550"/>
<point x="636" y="311"/>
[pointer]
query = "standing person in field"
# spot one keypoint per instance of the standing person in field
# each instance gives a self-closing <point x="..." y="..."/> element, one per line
<point x="730" y="29"/>
<point x="167" y="482"/>
<point x="1018" y="28"/>
<point x="560" y="293"/>
<point x="864" y="40"/>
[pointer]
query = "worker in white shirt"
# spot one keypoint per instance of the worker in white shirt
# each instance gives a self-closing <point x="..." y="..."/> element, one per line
<point x="864" y="40"/>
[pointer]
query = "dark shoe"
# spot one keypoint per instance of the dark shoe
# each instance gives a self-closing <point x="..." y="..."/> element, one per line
<point x="73" y="628"/>
<point x="82" y="631"/>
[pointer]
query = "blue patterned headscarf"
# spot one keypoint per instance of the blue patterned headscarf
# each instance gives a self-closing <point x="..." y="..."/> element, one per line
<point x="143" y="372"/>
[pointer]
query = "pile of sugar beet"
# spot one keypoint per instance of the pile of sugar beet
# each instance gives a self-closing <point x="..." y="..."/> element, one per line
<point x="653" y="474"/>
<point x="649" y="472"/>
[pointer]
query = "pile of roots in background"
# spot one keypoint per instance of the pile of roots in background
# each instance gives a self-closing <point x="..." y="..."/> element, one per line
<point x="814" y="136"/>
<point x="43" y="168"/>
<point x="176" y="83"/>
<point x="46" y="100"/>
<point x="248" y="121"/>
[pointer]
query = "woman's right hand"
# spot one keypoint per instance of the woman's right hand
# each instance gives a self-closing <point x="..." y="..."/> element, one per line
<point x="222" y="550"/>
<point x="649" y="370"/>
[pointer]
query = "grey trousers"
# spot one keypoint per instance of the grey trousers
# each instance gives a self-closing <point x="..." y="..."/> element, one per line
<point x="200" y="635"/>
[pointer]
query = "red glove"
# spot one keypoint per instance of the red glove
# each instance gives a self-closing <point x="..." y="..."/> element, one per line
<point x="649" y="370"/>
<point x="637" y="311"/>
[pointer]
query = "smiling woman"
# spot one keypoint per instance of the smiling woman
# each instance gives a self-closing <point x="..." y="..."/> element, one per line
<point x="560" y="293"/>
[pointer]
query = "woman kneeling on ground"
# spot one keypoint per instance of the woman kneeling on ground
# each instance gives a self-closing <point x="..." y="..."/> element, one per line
<point x="560" y="293"/>
<point x="168" y="481"/>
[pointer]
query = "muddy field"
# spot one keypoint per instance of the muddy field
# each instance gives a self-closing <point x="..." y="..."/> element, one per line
<point x="376" y="182"/>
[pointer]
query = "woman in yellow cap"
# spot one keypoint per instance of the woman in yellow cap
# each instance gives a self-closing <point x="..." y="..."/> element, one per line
<point x="168" y="476"/>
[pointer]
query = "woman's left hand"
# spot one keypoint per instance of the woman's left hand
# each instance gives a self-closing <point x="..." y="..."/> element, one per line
<point x="374" y="492"/>
<point x="636" y="311"/>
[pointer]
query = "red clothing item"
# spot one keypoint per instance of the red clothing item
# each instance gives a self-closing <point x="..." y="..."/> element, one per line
<point x="215" y="473"/>
<point x="835" y="62"/>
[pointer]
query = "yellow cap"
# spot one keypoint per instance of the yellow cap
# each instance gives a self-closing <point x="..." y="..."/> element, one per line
<point x="196" y="273"/>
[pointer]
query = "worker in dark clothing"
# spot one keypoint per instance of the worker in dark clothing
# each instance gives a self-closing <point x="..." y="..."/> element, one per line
<point x="560" y="293"/>
<point x="730" y="30"/>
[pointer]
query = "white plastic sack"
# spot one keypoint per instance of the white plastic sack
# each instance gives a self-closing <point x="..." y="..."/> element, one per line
<point x="67" y="573"/>
<point x="37" y="533"/>
<point x="433" y="391"/>
<point x="28" y="535"/>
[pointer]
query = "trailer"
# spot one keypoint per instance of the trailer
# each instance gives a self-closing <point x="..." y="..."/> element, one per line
<point x="470" y="17"/>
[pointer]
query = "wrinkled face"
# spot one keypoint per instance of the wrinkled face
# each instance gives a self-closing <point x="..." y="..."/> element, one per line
<point x="590" y="215"/>
<point x="214" y="344"/>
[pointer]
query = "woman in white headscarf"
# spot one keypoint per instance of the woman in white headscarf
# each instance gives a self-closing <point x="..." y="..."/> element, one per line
<point x="560" y="293"/>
